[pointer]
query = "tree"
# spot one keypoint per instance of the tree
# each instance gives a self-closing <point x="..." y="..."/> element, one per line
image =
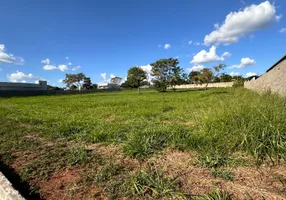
<point x="185" y="78"/>
<point x="116" y="80"/>
<point x="74" y="80"/>
<point x="166" y="72"/>
<point x="225" y="77"/>
<point x="175" y="78"/>
<point x="207" y="75"/>
<point x="86" y="83"/>
<point x="136" y="77"/>
<point x="194" y="77"/>
<point x="125" y="85"/>
<point x="94" y="86"/>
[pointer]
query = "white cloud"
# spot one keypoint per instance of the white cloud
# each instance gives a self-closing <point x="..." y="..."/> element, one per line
<point x="245" y="62"/>
<point x="76" y="68"/>
<point x="250" y="74"/>
<point x="206" y="57"/>
<point x="112" y="76"/>
<point x="234" y="73"/>
<point x="69" y="64"/>
<point x="20" y="77"/>
<point x="147" y="69"/>
<point x="61" y="80"/>
<point x="63" y="68"/>
<point x="53" y="67"/>
<point x="67" y="58"/>
<point x="197" y="43"/>
<point x="49" y="67"/>
<point x="9" y="58"/>
<point x="238" y="24"/>
<point x="46" y="61"/>
<point x="282" y="30"/>
<point x="196" y="68"/>
<point x="167" y="46"/>
<point x="190" y="42"/>
<point x="103" y="76"/>
<point x="226" y="54"/>
<point x="216" y="26"/>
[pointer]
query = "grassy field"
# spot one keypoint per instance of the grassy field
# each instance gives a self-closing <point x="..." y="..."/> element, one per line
<point x="216" y="144"/>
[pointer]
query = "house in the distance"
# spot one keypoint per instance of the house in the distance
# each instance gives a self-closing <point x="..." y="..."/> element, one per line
<point x="108" y="86"/>
<point x="273" y="80"/>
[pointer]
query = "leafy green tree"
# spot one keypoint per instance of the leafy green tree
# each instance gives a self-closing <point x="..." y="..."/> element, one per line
<point x="185" y="78"/>
<point x="207" y="75"/>
<point x="126" y="85"/>
<point x="194" y="77"/>
<point x="94" y="86"/>
<point x="116" y="80"/>
<point x="175" y="77"/>
<point x="136" y="77"/>
<point x="74" y="80"/>
<point x="225" y="77"/>
<point x="166" y="72"/>
<point x="86" y="83"/>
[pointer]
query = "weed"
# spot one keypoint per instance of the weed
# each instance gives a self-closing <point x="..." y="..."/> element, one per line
<point x="213" y="159"/>
<point x="108" y="171"/>
<point x="151" y="183"/>
<point x="223" y="174"/>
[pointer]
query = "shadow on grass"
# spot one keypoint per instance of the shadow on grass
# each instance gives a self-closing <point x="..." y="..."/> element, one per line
<point x="22" y="187"/>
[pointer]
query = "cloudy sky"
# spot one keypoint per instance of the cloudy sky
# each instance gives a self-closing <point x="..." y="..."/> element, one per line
<point x="104" y="38"/>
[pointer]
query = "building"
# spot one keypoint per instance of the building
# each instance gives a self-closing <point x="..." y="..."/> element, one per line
<point x="273" y="80"/>
<point x="8" y="86"/>
<point x="108" y="86"/>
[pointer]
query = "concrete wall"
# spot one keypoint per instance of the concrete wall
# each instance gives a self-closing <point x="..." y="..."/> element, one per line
<point x="210" y="85"/>
<point x="7" y="192"/>
<point x="23" y="86"/>
<point x="14" y="93"/>
<point x="273" y="80"/>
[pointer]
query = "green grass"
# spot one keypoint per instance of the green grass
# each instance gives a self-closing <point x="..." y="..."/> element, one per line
<point x="216" y="124"/>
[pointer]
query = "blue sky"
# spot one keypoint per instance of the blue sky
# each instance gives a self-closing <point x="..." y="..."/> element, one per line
<point x="46" y="39"/>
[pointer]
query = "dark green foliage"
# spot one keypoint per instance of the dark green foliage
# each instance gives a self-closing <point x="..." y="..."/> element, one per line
<point x="166" y="72"/>
<point x="87" y="85"/>
<point x="225" y="78"/>
<point x="136" y="77"/>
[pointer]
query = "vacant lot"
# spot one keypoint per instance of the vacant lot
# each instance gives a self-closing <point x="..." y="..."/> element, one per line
<point x="227" y="143"/>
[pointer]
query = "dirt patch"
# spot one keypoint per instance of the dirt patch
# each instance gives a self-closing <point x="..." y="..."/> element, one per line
<point x="258" y="183"/>
<point x="37" y="138"/>
<point x="106" y="150"/>
<point x="61" y="185"/>
<point x="110" y="118"/>
<point x="22" y="158"/>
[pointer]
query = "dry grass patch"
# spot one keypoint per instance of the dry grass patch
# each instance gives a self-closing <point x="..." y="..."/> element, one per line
<point x="249" y="182"/>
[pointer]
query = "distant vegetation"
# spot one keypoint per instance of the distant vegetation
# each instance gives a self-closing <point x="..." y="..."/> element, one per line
<point x="165" y="73"/>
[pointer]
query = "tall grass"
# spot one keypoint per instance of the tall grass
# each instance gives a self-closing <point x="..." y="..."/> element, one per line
<point x="218" y="120"/>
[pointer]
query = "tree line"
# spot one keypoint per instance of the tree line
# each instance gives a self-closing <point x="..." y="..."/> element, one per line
<point x="165" y="73"/>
